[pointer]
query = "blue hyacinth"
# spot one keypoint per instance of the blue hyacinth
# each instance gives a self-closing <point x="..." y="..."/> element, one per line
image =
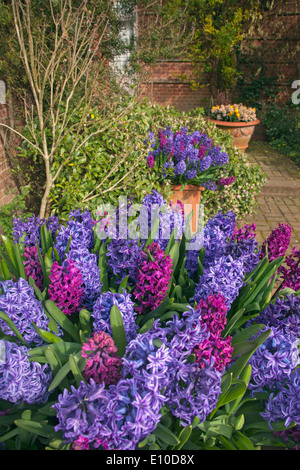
<point x="102" y="308"/>
<point x="22" y="380"/>
<point x="18" y="301"/>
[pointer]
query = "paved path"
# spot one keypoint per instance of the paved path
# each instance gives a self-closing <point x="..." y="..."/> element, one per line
<point x="279" y="200"/>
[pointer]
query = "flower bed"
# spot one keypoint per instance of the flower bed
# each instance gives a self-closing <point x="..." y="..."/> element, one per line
<point x="147" y="343"/>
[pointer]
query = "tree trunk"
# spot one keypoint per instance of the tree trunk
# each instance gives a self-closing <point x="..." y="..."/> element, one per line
<point x="44" y="203"/>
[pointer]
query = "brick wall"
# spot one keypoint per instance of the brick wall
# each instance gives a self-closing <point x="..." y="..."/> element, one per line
<point x="7" y="184"/>
<point x="277" y="42"/>
<point x="169" y="83"/>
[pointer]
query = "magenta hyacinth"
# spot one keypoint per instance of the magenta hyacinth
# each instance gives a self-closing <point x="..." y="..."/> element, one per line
<point x="291" y="271"/>
<point x="66" y="286"/>
<point x="217" y="347"/>
<point x="277" y="242"/>
<point x="226" y="181"/>
<point x="213" y="312"/>
<point x="32" y="266"/>
<point x="103" y="364"/>
<point x="153" y="280"/>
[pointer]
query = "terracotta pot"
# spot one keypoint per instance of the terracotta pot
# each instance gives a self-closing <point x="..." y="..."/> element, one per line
<point x="190" y="196"/>
<point x="241" y="131"/>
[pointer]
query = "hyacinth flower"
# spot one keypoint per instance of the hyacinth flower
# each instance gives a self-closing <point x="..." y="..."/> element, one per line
<point x="87" y="264"/>
<point x="274" y="361"/>
<point x="33" y="266"/>
<point x="28" y="230"/>
<point x="18" y="302"/>
<point x="123" y="258"/>
<point x="153" y="280"/>
<point x="22" y="380"/>
<point x="168" y="215"/>
<point x="225" y="276"/>
<point x="226" y="181"/>
<point x="80" y="227"/>
<point x="212" y="313"/>
<point x="284" y="401"/>
<point x="290" y="273"/>
<point x="277" y="242"/>
<point x="283" y="314"/>
<point x="102" y="308"/>
<point x="66" y="286"/>
<point x="102" y="362"/>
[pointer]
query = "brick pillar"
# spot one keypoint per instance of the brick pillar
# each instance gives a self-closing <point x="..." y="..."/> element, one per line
<point x="6" y="181"/>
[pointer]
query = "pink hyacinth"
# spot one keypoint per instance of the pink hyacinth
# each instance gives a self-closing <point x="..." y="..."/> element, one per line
<point x="153" y="279"/>
<point x="103" y="364"/>
<point x="150" y="161"/>
<point x="82" y="443"/>
<point x="277" y="242"/>
<point x="217" y="347"/>
<point x="66" y="286"/>
<point x="32" y="266"/>
<point x="244" y="233"/>
<point x="213" y="313"/>
<point x="226" y="181"/>
<point x="291" y="272"/>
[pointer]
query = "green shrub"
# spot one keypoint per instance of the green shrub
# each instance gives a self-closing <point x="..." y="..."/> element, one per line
<point x="87" y="179"/>
<point x="282" y="125"/>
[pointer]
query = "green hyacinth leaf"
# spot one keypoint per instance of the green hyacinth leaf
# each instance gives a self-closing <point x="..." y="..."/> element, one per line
<point x="118" y="330"/>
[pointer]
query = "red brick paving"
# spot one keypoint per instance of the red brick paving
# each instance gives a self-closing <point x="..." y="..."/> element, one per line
<point x="279" y="200"/>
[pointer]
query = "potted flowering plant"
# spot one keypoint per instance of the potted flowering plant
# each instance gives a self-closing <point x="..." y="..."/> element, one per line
<point x="238" y="119"/>
<point x="145" y="344"/>
<point x="189" y="160"/>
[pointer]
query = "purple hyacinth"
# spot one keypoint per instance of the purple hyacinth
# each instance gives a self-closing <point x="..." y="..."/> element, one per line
<point x="123" y="259"/>
<point x="66" y="286"/>
<point x="217" y="156"/>
<point x="22" y="380"/>
<point x="245" y="250"/>
<point x="87" y="264"/>
<point x="18" y="301"/>
<point x="277" y="242"/>
<point x="117" y="418"/>
<point x="284" y="402"/>
<point x="102" y="308"/>
<point x="224" y="276"/>
<point x="196" y="395"/>
<point x="147" y="361"/>
<point x="28" y="230"/>
<point x="132" y="413"/>
<point x="273" y="361"/>
<point x="180" y="168"/>
<point x="204" y="163"/>
<point x="170" y="218"/>
<point x="80" y="411"/>
<point x="211" y="185"/>
<point x="283" y="314"/>
<point x="80" y="227"/>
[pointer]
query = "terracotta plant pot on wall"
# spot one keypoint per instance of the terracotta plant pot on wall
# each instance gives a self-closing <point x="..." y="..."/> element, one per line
<point x="191" y="195"/>
<point x="241" y="131"/>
